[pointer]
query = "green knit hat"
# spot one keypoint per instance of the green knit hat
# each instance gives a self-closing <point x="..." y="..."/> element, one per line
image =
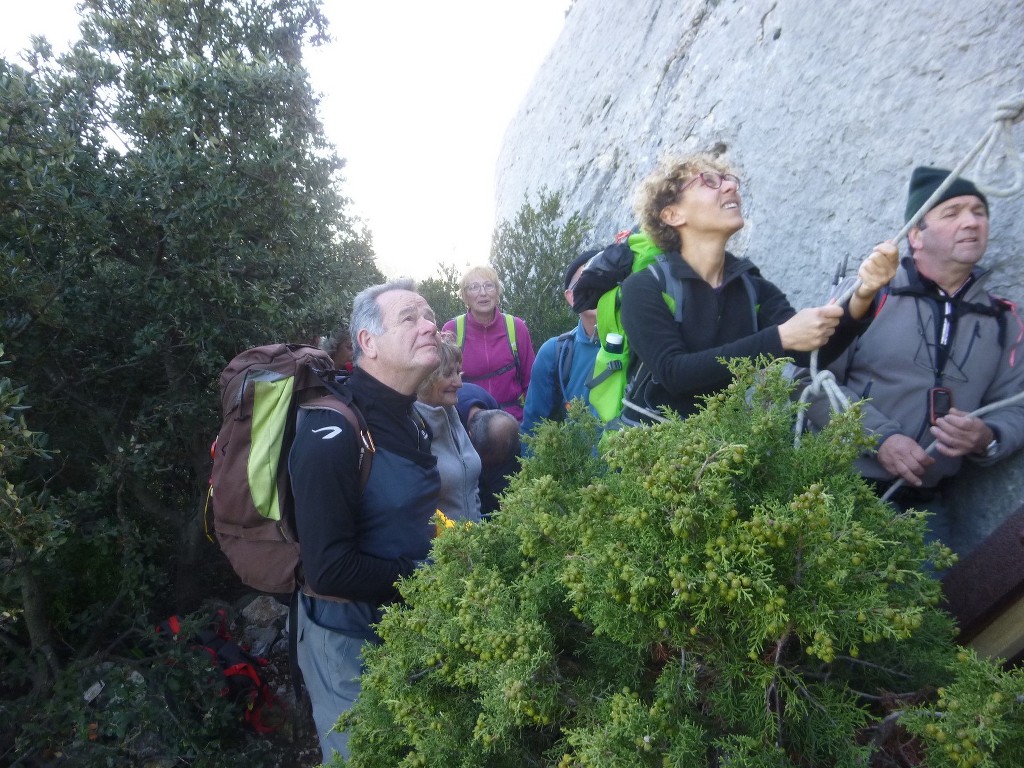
<point x="925" y="180"/>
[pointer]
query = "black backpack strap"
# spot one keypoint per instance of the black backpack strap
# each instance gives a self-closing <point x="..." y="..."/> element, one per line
<point x="568" y="352"/>
<point x="672" y="286"/>
<point x="997" y="308"/>
<point x="755" y="306"/>
<point x="565" y="349"/>
<point x="669" y="284"/>
<point x="612" y="367"/>
<point x="1004" y="307"/>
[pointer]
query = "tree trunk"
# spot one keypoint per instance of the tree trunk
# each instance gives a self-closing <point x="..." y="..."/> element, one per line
<point x="38" y="623"/>
<point x="194" y="548"/>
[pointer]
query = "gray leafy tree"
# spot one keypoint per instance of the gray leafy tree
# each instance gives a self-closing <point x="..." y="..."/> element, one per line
<point x="169" y="199"/>
<point x="442" y="293"/>
<point x="530" y="253"/>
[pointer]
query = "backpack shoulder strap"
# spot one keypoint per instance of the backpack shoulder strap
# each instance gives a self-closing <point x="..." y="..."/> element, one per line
<point x="510" y="333"/>
<point x="755" y="306"/>
<point x="670" y="285"/>
<point x="565" y="349"/>
<point x="460" y="329"/>
<point x="1002" y="308"/>
<point x="510" y="329"/>
<point x="354" y="417"/>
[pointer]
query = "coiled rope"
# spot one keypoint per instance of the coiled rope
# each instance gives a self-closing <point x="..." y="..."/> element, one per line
<point x="996" y="153"/>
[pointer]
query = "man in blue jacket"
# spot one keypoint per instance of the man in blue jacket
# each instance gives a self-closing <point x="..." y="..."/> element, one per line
<point x="565" y="363"/>
<point x="355" y="541"/>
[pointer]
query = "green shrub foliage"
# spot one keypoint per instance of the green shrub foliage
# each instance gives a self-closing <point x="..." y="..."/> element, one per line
<point x="697" y="593"/>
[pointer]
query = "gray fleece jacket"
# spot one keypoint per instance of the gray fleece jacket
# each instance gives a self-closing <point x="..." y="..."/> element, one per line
<point x="457" y="463"/>
<point x="899" y="358"/>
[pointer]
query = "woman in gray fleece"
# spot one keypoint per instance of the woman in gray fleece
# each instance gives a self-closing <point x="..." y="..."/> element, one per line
<point x="457" y="460"/>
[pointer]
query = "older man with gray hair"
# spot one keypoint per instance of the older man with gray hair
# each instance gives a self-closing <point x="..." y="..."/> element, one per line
<point x="356" y="540"/>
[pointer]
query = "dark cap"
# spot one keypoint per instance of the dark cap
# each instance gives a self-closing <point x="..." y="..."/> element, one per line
<point x="578" y="262"/>
<point x="925" y="180"/>
<point x="470" y="396"/>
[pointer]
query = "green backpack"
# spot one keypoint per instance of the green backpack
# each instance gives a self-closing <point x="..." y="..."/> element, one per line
<point x="600" y="287"/>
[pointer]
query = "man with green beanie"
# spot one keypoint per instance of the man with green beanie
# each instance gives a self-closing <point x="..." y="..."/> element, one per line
<point x="940" y="347"/>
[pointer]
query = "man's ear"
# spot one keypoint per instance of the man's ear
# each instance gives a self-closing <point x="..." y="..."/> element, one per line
<point x="914" y="238"/>
<point x="367" y="343"/>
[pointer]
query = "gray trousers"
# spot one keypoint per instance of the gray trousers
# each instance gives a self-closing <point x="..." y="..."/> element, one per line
<point x="331" y="663"/>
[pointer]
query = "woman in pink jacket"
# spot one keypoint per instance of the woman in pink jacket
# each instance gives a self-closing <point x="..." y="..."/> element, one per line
<point x="497" y="352"/>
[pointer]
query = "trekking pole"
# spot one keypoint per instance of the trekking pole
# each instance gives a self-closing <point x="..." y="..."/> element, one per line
<point x="1007" y="113"/>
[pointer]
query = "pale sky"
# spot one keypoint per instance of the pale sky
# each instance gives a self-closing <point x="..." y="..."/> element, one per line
<point x="416" y="96"/>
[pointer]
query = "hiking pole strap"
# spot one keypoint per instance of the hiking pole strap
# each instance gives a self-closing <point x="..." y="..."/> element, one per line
<point x="293" y="646"/>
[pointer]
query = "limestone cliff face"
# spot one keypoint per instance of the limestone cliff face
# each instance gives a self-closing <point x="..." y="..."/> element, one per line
<point x="824" y="106"/>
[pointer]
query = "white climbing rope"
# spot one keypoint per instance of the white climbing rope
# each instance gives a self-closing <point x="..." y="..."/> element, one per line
<point x="978" y="413"/>
<point x="997" y="154"/>
<point x="652" y="415"/>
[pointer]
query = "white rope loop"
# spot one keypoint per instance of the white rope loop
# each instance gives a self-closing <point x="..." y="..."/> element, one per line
<point x="992" y="165"/>
<point x="821" y="382"/>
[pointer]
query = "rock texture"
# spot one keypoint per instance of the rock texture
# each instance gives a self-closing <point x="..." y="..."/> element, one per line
<point x="824" y="107"/>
